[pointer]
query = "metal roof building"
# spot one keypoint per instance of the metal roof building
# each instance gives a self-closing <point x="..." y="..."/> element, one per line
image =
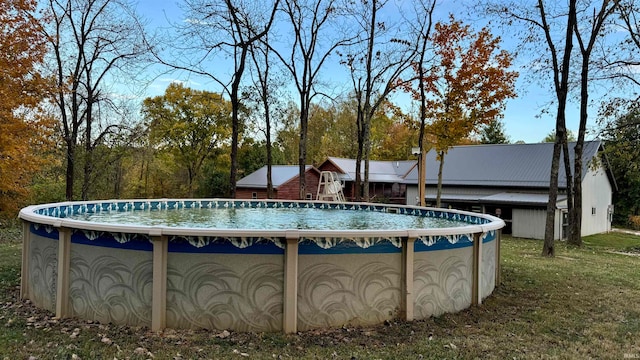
<point x="505" y="165"/>
<point x="512" y="181"/>
<point x="507" y="180"/>
<point x="280" y="174"/>
<point x="379" y="171"/>
<point x="285" y="180"/>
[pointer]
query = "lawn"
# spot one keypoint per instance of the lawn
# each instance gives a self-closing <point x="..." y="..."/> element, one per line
<point x="584" y="303"/>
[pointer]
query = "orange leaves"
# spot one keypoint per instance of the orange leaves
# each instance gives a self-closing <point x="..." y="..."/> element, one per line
<point x="21" y="47"/>
<point x="24" y="128"/>
<point x="467" y="82"/>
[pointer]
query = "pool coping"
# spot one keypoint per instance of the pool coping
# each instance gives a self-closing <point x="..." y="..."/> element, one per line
<point x="29" y="214"/>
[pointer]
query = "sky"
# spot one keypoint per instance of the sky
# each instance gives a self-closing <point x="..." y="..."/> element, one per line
<point x="524" y="118"/>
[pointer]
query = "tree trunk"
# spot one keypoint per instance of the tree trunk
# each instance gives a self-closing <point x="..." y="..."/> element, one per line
<point x="576" y="222"/>
<point x="358" y="193"/>
<point x="235" y="128"/>
<point x="235" y="121"/>
<point x="88" y="149"/>
<point x="367" y="111"/>
<point x="87" y="170"/>
<point x="360" y="155"/>
<point x="269" y="152"/>
<point x="117" y="184"/>
<point x="548" y="248"/>
<point x="71" y="161"/>
<point x="302" y="147"/>
<point x="569" y="181"/>
<point x="422" y="159"/>
<point x="440" y="167"/>
<point x="366" y="151"/>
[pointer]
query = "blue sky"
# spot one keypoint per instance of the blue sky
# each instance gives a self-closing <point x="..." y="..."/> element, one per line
<point x="523" y="117"/>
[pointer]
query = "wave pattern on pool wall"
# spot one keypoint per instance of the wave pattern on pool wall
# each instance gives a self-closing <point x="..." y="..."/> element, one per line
<point x="347" y="290"/>
<point x="114" y="288"/>
<point x="442" y="283"/>
<point x="43" y="272"/>
<point x="488" y="267"/>
<point x="235" y="292"/>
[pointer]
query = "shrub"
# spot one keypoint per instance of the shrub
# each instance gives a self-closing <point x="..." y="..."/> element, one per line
<point x="634" y="222"/>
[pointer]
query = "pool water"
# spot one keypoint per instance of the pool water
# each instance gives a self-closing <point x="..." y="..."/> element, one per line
<point x="269" y="218"/>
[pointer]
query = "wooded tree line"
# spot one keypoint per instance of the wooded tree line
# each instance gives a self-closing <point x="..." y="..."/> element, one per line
<point x="68" y="134"/>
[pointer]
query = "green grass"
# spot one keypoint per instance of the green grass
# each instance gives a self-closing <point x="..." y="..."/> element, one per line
<point x="585" y="303"/>
<point x="615" y="241"/>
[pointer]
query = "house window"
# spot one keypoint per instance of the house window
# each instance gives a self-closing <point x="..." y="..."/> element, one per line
<point x="593" y="211"/>
<point x="254" y="195"/>
<point x="309" y="196"/>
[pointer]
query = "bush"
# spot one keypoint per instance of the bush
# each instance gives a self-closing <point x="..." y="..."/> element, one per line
<point x="634" y="222"/>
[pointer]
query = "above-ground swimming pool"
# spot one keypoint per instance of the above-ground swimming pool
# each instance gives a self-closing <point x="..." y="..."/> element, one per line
<point x="255" y="265"/>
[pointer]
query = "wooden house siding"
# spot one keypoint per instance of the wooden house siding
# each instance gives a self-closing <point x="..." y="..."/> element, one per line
<point x="329" y="166"/>
<point x="289" y="190"/>
<point x="247" y="193"/>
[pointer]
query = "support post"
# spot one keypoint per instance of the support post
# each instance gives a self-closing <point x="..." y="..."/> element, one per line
<point x="476" y="296"/>
<point x="159" y="295"/>
<point x="406" y="311"/>
<point x="290" y="300"/>
<point x="26" y="249"/>
<point x="498" y="245"/>
<point x="62" y="282"/>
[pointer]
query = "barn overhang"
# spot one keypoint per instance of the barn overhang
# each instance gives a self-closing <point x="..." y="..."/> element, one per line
<point x="503" y="198"/>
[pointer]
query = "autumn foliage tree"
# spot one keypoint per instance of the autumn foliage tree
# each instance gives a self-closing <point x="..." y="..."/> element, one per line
<point x="22" y="87"/>
<point x="188" y="125"/>
<point x="333" y="132"/>
<point x="467" y="85"/>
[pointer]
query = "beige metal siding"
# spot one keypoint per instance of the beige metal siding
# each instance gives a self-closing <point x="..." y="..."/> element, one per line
<point x="412" y="195"/>
<point x="529" y="223"/>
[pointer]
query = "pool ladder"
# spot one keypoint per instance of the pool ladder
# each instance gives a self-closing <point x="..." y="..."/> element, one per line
<point x="330" y="187"/>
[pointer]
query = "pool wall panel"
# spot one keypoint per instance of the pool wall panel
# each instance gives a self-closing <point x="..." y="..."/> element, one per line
<point x="43" y="271"/>
<point x="339" y="289"/>
<point x="238" y="292"/>
<point x="442" y="281"/>
<point x="488" y="277"/>
<point x="111" y="285"/>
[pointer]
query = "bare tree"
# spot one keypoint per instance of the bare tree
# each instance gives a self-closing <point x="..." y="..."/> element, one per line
<point x="597" y="17"/>
<point x="265" y="90"/>
<point x="214" y="28"/>
<point x="375" y="69"/>
<point x="423" y="10"/>
<point x="91" y="41"/>
<point x="624" y="66"/>
<point x="592" y="23"/>
<point x="311" y="46"/>
<point x="542" y="27"/>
